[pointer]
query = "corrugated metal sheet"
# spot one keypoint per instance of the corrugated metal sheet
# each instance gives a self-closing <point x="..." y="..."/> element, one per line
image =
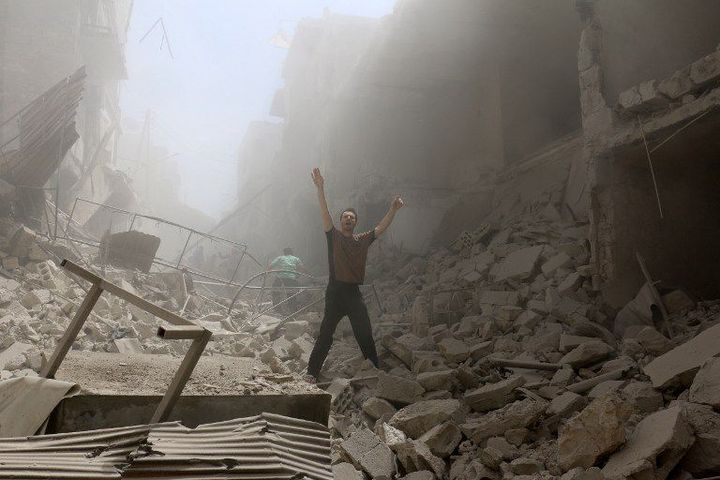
<point x="46" y="130"/>
<point x="265" y="447"/>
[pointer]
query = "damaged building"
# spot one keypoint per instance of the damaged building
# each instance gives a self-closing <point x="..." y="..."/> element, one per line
<point x="545" y="305"/>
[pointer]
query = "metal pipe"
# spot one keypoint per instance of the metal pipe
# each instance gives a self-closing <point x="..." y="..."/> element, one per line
<point x="183" y="250"/>
<point x="273" y="307"/>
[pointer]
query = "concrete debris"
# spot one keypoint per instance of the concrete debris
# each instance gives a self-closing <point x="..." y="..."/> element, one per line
<point x="706" y="385"/>
<point x="655" y="447"/>
<point x="680" y="364"/>
<point x="596" y="431"/>
<point x="493" y="396"/>
<point x="365" y="450"/>
<point x="587" y="353"/>
<point x="416" y="419"/>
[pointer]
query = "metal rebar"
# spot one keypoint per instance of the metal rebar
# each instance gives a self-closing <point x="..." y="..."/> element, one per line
<point x="652" y="169"/>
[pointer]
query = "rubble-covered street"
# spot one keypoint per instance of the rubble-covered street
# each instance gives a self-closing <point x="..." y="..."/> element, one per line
<point x="524" y="282"/>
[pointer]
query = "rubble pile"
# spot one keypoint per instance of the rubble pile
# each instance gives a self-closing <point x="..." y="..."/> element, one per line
<point x="498" y="357"/>
<point x="499" y="360"/>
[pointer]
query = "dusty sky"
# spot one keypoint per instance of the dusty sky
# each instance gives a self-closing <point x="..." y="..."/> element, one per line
<point x="223" y="75"/>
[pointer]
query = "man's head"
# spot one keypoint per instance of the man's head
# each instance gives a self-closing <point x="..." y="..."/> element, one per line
<point x="348" y="220"/>
<point x="287" y="251"/>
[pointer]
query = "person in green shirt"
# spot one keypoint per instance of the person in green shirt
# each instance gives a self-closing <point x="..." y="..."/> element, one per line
<point x="286" y="261"/>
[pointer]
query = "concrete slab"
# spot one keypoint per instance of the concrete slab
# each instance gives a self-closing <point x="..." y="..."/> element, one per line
<point x="680" y="364"/>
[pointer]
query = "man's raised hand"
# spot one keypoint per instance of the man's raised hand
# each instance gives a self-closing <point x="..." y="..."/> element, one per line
<point x="397" y="203"/>
<point x="317" y="178"/>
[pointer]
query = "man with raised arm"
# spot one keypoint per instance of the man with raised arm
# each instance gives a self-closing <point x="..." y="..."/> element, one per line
<point x="347" y="254"/>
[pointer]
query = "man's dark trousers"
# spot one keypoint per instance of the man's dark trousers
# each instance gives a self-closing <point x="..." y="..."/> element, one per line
<point x="342" y="299"/>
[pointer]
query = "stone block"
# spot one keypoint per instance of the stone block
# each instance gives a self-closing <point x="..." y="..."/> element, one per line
<point x="643" y="397"/>
<point x="515" y="415"/>
<point x="377" y="407"/>
<point x="442" y="439"/>
<point x="440" y="380"/>
<point x="398" y="390"/>
<point x="526" y="466"/>
<point x="416" y="419"/>
<point x="365" y="450"/>
<point x="654" y="342"/>
<point x="702" y="459"/>
<point x="416" y="456"/>
<point x="570" y="342"/>
<point x="454" y="351"/>
<point x="706" y="71"/>
<point x="596" y="431"/>
<point x="566" y="404"/>
<point x="679" y="365"/>
<point x="11" y="354"/>
<point x="677" y="85"/>
<point x="655" y="447"/>
<point x="642" y="98"/>
<point x="493" y="396"/>
<point x="519" y="265"/>
<point x="705" y="388"/>
<point x="587" y="354"/>
<point x="346" y="471"/>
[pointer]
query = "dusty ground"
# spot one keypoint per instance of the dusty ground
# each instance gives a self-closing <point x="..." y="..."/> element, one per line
<point x="122" y="374"/>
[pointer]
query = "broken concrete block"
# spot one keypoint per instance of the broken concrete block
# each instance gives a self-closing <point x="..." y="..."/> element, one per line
<point x="515" y="415"/>
<point x="569" y="342"/>
<point x="13" y="354"/>
<point x="561" y="260"/>
<point x="705" y="388"/>
<point x="389" y="435"/>
<point x="397" y="389"/>
<point x="418" y="418"/>
<point x="566" y="404"/>
<point x="377" y="407"/>
<point x="404" y="346"/>
<point x="643" y="397"/>
<point x="519" y="265"/>
<point x="677" y="85"/>
<point x="642" y="98"/>
<point x="706" y="71"/>
<point x="347" y="471"/>
<point x="702" y="459"/>
<point x="658" y="443"/>
<point x="494" y="395"/>
<point x="365" y="450"/>
<point x="442" y="439"/>
<point x="415" y="456"/>
<point x="128" y="345"/>
<point x="341" y="394"/>
<point x="440" y="380"/>
<point x="454" y="350"/>
<point x="652" y="341"/>
<point x="587" y="354"/>
<point x="597" y="430"/>
<point x="680" y="364"/>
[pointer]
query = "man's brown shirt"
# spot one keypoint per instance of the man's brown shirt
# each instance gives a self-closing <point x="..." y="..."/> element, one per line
<point x="347" y="255"/>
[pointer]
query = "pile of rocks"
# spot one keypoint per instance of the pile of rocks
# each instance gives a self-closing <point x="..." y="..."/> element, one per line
<point x="499" y="360"/>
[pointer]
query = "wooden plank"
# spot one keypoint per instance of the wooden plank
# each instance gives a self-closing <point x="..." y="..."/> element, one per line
<point x="149" y="307"/>
<point x="179" y="333"/>
<point x="181" y="377"/>
<point x="72" y="331"/>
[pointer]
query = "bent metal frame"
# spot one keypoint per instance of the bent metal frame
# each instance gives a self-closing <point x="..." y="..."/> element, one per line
<point x="180" y="329"/>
